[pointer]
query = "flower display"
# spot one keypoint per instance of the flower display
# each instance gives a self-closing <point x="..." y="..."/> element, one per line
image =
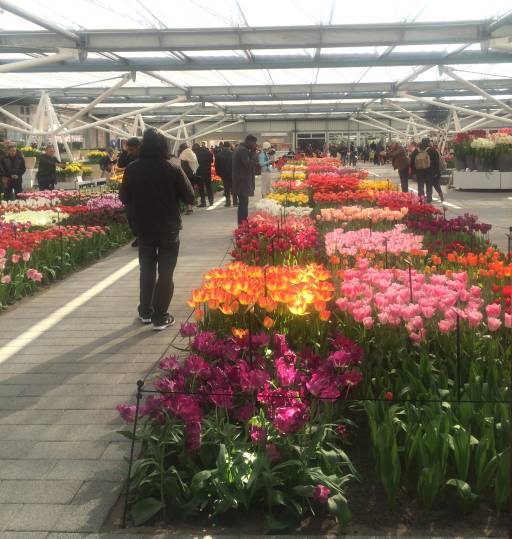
<point x="378" y="299"/>
<point x="290" y="199"/>
<point x="266" y="237"/>
<point x="394" y="297"/>
<point x="358" y="213"/>
<point x="41" y="218"/>
<point x="355" y="242"/>
<point x="272" y="207"/>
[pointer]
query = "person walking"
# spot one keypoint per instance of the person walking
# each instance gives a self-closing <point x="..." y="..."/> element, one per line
<point x="243" y="175"/>
<point x="224" y="168"/>
<point x="204" y="173"/>
<point x="12" y="168"/>
<point x="47" y="169"/>
<point x="129" y="153"/>
<point x="152" y="190"/>
<point x="400" y="162"/>
<point x="189" y="164"/>
<point x="425" y="165"/>
<point x="265" y="161"/>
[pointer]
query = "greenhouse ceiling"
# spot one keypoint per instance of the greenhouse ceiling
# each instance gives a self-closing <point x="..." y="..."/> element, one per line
<point x="292" y="57"/>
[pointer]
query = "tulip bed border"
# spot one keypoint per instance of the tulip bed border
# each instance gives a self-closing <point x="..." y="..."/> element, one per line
<point x="440" y="413"/>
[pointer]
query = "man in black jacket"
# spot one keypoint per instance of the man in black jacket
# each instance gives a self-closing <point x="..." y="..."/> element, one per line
<point x="47" y="169"/>
<point x="204" y="173"/>
<point x="12" y="168"/>
<point x="244" y="165"/>
<point x="152" y="190"/>
<point x="224" y="168"/>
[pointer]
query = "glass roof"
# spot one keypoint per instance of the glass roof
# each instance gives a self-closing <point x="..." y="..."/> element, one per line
<point x="163" y="14"/>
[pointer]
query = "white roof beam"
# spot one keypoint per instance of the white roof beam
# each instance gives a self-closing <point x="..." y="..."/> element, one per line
<point x="39" y="21"/>
<point x="451" y="106"/>
<point x="453" y="74"/>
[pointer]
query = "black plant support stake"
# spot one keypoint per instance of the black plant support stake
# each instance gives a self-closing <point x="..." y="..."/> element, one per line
<point x="458" y="358"/>
<point x="251" y="361"/>
<point x="140" y="385"/>
<point x="386" y="253"/>
<point x="410" y="280"/>
<point x="509" y="236"/>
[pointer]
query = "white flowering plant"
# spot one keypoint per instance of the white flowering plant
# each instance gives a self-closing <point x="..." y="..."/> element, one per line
<point x="43" y="218"/>
<point x="274" y="208"/>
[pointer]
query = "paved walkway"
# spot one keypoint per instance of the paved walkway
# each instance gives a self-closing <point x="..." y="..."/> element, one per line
<point x="68" y="356"/>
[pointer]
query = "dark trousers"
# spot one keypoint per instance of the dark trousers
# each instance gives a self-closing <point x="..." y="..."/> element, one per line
<point x="12" y="189"/>
<point x="228" y="190"/>
<point x="156" y="292"/>
<point x="45" y="185"/>
<point x="404" y="179"/>
<point x="424" y="183"/>
<point x="203" y="183"/>
<point x="243" y="208"/>
<point x="436" y="184"/>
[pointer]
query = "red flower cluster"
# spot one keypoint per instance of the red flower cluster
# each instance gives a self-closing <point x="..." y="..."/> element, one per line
<point x="267" y="236"/>
<point x="414" y="203"/>
<point x="332" y="183"/>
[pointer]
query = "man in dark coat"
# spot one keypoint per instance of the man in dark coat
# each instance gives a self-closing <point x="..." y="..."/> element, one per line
<point x="243" y="175"/>
<point x="12" y="168"/>
<point x="129" y="153"/>
<point x="204" y="172"/>
<point x="152" y="191"/>
<point x="47" y="169"/>
<point x="224" y="168"/>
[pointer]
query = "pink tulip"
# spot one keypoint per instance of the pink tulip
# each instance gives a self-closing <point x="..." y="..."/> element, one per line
<point x="445" y="326"/>
<point x="508" y="320"/>
<point x="15" y="258"/>
<point x="6" y="279"/>
<point x="493" y="310"/>
<point x="493" y="323"/>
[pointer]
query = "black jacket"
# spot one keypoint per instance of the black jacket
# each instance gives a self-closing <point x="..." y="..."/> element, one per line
<point x="205" y="160"/>
<point x="152" y="191"/>
<point x="47" y="167"/>
<point x="243" y="171"/>
<point x="124" y="159"/>
<point x="10" y="166"/>
<point x="224" y="163"/>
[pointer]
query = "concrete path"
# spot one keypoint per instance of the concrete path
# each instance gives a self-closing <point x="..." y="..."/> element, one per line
<point x="68" y="356"/>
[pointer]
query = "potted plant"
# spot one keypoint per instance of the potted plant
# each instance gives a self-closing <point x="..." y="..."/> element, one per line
<point x="93" y="159"/>
<point x="484" y="150"/>
<point x="460" y="150"/>
<point x="30" y="154"/>
<point x="503" y="152"/>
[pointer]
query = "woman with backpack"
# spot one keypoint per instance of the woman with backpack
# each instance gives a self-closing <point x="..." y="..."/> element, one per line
<point x="425" y="166"/>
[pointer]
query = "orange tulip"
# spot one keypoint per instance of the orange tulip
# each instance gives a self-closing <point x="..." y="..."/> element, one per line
<point x="239" y="333"/>
<point x="268" y="322"/>
<point x="325" y="315"/>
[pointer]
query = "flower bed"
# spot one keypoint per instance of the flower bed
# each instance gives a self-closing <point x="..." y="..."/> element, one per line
<point x="313" y="334"/>
<point x="49" y="234"/>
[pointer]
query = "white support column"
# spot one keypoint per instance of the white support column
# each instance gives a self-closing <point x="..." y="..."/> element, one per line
<point x="104" y="121"/>
<point x="468" y="84"/>
<point x="93" y="103"/>
<point x="385" y="127"/>
<point x="212" y="129"/>
<point x="411" y="114"/>
<point x="456" y="120"/>
<point x="65" y="54"/>
<point x="15" y="118"/>
<point x="401" y="120"/>
<point x="200" y="120"/>
<point x="182" y="115"/>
